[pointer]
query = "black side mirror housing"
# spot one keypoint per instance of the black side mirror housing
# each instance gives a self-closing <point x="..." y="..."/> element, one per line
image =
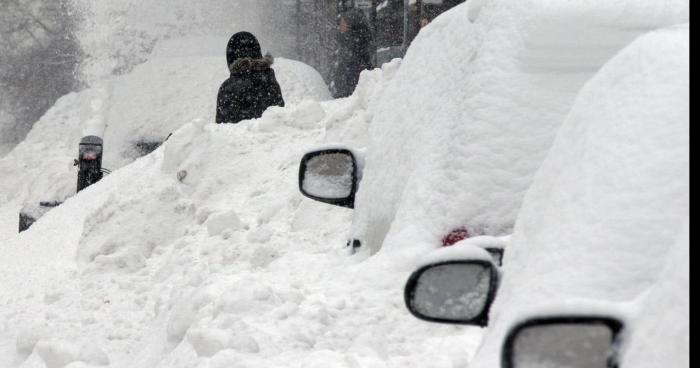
<point x="330" y="176"/>
<point x="455" y="292"/>
<point x="498" y="255"/>
<point x="558" y="341"/>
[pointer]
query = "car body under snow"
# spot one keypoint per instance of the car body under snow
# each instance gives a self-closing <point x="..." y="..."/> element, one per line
<point x="457" y="163"/>
<point x="613" y="195"/>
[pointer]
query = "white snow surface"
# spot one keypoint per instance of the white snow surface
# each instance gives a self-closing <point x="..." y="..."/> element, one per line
<point x="610" y="201"/>
<point x="204" y="254"/>
<point x="159" y="96"/>
<point x="459" y="146"/>
<point x="664" y="315"/>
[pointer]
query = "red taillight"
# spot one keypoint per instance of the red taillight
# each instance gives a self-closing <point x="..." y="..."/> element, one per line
<point x="89" y="156"/>
<point x="455" y="237"/>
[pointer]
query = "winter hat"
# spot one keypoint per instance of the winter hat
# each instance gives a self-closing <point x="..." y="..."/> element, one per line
<point x="243" y="45"/>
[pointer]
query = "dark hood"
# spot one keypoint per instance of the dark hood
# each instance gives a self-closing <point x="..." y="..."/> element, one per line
<point x="243" y="45"/>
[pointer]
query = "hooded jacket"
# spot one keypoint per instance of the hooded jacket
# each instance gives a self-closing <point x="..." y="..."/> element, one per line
<point x="252" y="86"/>
<point x="355" y="53"/>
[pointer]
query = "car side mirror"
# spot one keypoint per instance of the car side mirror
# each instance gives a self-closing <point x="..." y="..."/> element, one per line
<point x="89" y="161"/>
<point x="330" y="176"/>
<point x="456" y="292"/>
<point x="576" y="342"/>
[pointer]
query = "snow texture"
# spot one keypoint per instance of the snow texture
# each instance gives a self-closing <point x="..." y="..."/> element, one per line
<point x="204" y="254"/>
<point x="146" y="105"/>
<point x="610" y="201"/>
<point x="460" y="148"/>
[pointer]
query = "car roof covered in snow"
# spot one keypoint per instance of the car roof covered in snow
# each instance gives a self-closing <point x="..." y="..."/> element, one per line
<point x="460" y="148"/>
<point x="610" y="200"/>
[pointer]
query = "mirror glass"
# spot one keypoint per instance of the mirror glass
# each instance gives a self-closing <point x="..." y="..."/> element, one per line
<point x="329" y="176"/>
<point x="454" y="292"/>
<point x="564" y="346"/>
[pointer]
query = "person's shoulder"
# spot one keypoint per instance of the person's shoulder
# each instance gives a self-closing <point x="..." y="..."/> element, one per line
<point x="271" y="72"/>
<point x="231" y="82"/>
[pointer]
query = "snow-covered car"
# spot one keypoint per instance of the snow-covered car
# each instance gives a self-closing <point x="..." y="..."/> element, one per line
<point x="598" y="271"/>
<point x="439" y="167"/>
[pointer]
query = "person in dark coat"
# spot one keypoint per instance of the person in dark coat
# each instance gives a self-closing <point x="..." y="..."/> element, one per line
<point x="355" y="52"/>
<point x="252" y="86"/>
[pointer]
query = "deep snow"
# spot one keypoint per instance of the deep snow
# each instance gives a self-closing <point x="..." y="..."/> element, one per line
<point x="204" y="254"/>
<point x="174" y="87"/>
<point x="458" y="147"/>
<point x="609" y="204"/>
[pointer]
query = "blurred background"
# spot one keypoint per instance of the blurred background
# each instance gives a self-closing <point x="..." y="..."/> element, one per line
<point x="49" y="48"/>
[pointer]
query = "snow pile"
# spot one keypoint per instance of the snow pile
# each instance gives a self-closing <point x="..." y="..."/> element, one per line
<point x="173" y="88"/>
<point x="203" y="253"/>
<point x="610" y="201"/>
<point x="665" y="315"/>
<point x="7" y="134"/>
<point x="350" y="122"/>
<point x="458" y="135"/>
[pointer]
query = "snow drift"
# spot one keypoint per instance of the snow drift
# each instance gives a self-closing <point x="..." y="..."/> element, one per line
<point x="173" y="88"/>
<point x="204" y="254"/>
<point x="459" y="146"/>
<point x="609" y="203"/>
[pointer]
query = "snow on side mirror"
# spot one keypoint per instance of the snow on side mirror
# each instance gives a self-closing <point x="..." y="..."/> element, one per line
<point x="89" y="161"/>
<point x="329" y="176"/>
<point x="574" y="342"/>
<point x="456" y="292"/>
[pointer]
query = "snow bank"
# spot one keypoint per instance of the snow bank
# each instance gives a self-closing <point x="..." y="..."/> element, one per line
<point x="664" y="315"/>
<point x="204" y="253"/>
<point x="459" y="133"/>
<point x="159" y="96"/>
<point x="225" y="266"/>
<point x="610" y="200"/>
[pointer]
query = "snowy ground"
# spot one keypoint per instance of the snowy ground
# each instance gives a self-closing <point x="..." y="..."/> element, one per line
<point x="230" y="264"/>
<point x="204" y="254"/>
<point x="228" y="267"/>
